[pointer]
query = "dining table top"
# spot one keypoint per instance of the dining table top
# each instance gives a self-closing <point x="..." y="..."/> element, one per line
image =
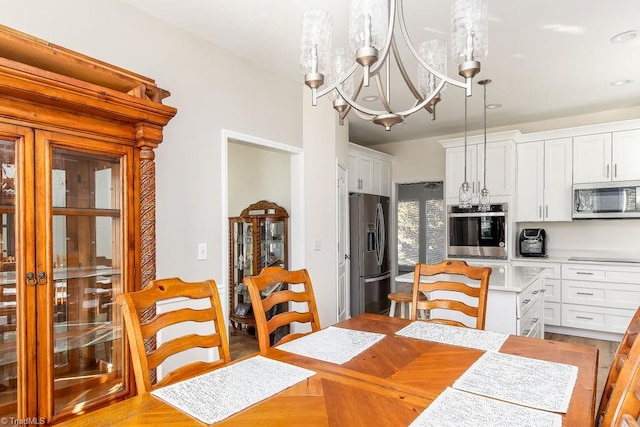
<point x="391" y="382"/>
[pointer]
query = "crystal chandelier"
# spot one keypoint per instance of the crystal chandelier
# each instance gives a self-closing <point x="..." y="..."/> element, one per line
<point x="373" y="37"/>
<point x="485" y="202"/>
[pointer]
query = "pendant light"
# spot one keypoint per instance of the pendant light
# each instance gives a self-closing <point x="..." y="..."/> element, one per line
<point x="464" y="199"/>
<point x="485" y="202"/>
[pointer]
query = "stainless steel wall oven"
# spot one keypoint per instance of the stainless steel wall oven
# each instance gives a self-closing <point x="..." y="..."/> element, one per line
<point x="474" y="234"/>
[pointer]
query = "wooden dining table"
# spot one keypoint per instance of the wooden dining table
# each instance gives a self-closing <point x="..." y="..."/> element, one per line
<point x="390" y="383"/>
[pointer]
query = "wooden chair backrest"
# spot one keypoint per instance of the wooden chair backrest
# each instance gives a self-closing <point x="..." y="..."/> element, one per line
<point x="477" y="290"/>
<point x="140" y="330"/>
<point x="261" y="306"/>
<point x="619" y="359"/>
<point x="625" y="396"/>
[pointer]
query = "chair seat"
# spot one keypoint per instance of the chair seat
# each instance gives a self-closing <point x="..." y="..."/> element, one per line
<point x="404" y="298"/>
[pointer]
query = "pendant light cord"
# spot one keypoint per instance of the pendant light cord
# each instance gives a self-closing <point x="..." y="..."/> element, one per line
<point x="465" y="138"/>
<point x="485" y="136"/>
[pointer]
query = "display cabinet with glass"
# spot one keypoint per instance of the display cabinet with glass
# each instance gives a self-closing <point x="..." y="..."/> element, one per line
<point x="77" y="227"/>
<point x="258" y="238"/>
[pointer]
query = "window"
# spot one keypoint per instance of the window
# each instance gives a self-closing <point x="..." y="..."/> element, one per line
<point x="421" y="225"/>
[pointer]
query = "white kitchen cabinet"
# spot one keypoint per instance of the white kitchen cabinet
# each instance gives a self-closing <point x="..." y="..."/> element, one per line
<point x="360" y="172"/>
<point x="603" y="157"/>
<point x="382" y="177"/>
<point x="552" y="290"/>
<point x="369" y="171"/>
<point x="543" y="180"/>
<point x="499" y="169"/>
<point x="599" y="297"/>
<point x="517" y="313"/>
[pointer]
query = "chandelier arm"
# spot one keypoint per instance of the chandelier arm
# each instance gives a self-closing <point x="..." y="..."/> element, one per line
<point x="339" y="82"/>
<point x="375" y="67"/>
<point x="407" y="79"/>
<point x="426" y="101"/>
<point x="356" y="93"/>
<point x="405" y="35"/>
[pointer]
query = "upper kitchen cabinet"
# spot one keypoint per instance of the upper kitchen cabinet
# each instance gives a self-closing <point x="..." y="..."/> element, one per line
<point x="77" y="206"/>
<point x="369" y="171"/>
<point x="605" y="157"/>
<point x="500" y="165"/>
<point x="543" y="179"/>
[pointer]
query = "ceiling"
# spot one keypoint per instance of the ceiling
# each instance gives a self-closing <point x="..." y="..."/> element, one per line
<point x="547" y="58"/>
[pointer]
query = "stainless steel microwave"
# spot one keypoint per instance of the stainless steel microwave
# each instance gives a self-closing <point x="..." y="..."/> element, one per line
<point x="475" y="234"/>
<point x="606" y="200"/>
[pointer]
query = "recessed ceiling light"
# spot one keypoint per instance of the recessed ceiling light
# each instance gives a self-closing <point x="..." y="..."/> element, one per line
<point x="370" y="98"/>
<point x="620" y="82"/>
<point x="493" y="106"/>
<point x="624" y="37"/>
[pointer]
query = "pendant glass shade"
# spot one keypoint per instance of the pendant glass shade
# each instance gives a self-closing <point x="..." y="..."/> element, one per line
<point x="368" y="23"/>
<point x="484" y="204"/>
<point x="464" y="199"/>
<point x="469" y="31"/>
<point x="315" y="42"/>
<point x="434" y="53"/>
<point x="341" y="61"/>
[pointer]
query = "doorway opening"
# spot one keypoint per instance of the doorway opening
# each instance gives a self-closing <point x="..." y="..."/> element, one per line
<point x="420" y="224"/>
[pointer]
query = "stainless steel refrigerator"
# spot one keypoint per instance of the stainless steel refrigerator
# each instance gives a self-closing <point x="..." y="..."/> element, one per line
<point x="370" y="271"/>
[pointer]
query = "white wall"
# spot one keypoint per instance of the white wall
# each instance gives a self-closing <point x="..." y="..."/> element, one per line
<point x="212" y="90"/>
<point x="257" y="174"/>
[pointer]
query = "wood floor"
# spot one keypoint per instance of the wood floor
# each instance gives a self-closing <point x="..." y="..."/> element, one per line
<point x="243" y="343"/>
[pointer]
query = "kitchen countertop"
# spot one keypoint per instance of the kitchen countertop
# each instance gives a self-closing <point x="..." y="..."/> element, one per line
<point x="627" y="258"/>
<point x="504" y="277"/>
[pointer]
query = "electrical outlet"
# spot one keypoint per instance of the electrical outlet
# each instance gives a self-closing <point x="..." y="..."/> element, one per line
<point x="202" y="251"/>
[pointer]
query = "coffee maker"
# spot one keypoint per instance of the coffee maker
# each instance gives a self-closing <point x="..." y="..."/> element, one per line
<point x="532" y="242"/>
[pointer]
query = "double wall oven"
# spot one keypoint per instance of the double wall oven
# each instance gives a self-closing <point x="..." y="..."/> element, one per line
<point x="475" y="234"/>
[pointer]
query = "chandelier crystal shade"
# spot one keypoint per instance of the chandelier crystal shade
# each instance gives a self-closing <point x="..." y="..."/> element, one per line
<point x="376" y="26"/>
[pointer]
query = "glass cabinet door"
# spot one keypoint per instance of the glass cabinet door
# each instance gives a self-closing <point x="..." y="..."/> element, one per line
<point x="272" y="243"/>
<point x="8" y="289"/>
<point x="80" y="348"/>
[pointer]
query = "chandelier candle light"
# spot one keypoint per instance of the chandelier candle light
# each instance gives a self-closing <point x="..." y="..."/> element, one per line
<point x="485" y="202"/>
<point x="373" y="25"/>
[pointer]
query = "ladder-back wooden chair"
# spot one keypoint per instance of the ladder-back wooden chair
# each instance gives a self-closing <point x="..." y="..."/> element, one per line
<point x="455" y="289"/>
<point x="624" y="401"/>
<point x="140" y="331"/>
<point x="619" y="359"/>
<point x="282" y="280"/>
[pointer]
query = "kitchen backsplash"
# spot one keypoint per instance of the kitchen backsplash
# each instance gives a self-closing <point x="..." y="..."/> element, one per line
<point x="620" y="235"/>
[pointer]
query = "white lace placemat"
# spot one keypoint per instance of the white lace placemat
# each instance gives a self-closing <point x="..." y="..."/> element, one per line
<point x="454" y="335"/>
<point x="216" y="395"/>
<point x="334" y="345"/>
<point x="454" y="408"/>
<point x="521" y="380"/>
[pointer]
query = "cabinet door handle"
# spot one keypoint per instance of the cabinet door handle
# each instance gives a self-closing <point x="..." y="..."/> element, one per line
<point x="526" y="332"/>
<point x="540" y="211"/>
<point x="615" y="170"/>
<point x="584" y="317"/>
<point x="534" y="320"/>
<point x="585" y="273"/>
<point x="546" y="211"/>
<point x="536" y="291"/>
<point x="527" y="301"/>
<point x="607" y="171"/>
<point x="543" y="290"/>
<point x="585" y="293"/>
<point x="42" y="278"/>
<point x="31" y="278"/>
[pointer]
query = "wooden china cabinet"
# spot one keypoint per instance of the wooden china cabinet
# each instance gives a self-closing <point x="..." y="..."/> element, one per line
<point x="258" y="238"/>
<point x="77" y="207"/>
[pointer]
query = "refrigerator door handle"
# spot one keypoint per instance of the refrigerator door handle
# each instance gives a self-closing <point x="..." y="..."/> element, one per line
<point x="380" y="237"/>
<point x="377" y="278"/>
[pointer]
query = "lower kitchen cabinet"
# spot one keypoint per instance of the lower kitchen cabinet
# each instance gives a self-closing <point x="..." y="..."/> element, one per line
<point x="517" y="311"/>
<point x="599" y="297"/>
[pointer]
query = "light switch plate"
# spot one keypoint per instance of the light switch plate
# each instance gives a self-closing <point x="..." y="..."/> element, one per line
<point x="202" y="251"/>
